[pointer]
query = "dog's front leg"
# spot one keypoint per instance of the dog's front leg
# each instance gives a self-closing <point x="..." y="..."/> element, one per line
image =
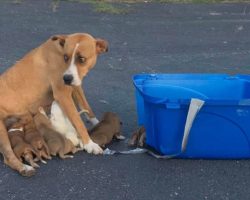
<point x="80" y="98"/>
<point x="9" y="157"/>
<point x="64" y="98"/>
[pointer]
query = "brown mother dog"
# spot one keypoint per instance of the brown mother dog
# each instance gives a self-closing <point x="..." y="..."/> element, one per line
<point x="45" y="74"/>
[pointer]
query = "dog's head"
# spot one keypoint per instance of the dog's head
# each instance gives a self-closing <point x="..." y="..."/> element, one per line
<point x="80" y="55"/>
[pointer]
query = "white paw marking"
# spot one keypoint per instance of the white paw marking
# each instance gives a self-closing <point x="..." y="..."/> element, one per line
<point x="94" y="148"/>
<point x="120" y="137"/>
<point x="28" y="168"/>
<point x="94" y="121"/>
<point x="43" y="161"/>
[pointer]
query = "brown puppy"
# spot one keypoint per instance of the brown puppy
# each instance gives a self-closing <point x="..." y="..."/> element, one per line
<point x="22" y="150"/>
<point x="46" y="74"/>
<point x="34" y="138"/>
<point x="108" y="127"/>
<point x="138" y="137"/>
<point x="57" y="143"/>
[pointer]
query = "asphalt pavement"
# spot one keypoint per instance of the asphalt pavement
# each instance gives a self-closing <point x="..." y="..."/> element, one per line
<point x="151" y="38"/>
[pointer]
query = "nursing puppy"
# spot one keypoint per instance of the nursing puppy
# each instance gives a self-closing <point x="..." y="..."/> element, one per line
<point x="108" y="128"/>
<point x="22" y="150"/>
<point x="61" y="124"/>
<point x="57" y="143"/>
<point x="34" y="138"/>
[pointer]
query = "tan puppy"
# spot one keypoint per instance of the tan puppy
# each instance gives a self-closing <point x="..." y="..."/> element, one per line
<point x="138" y="137"/>
<point x="22" y="150"/>
<point x="57" y="143"/>
<point x="46" y="74"/>
<point x="108" y="128"/>
<point x="34" y="138"/>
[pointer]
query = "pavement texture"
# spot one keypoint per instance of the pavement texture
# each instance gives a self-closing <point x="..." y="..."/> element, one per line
<point x="152" y="37"/>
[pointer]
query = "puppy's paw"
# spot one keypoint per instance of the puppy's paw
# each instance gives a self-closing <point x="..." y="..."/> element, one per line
<point x="120" y="137"/>
<point x="43" y="161"/>
<point x="27" y="171"/>
<point x="35" y="165"/>
<point x="92" y="147"/>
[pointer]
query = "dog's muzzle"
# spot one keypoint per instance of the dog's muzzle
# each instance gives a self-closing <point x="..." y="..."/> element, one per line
<point x="68" y="78"/>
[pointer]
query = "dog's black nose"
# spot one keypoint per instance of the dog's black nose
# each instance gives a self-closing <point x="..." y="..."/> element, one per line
<point x="68" y="78"/>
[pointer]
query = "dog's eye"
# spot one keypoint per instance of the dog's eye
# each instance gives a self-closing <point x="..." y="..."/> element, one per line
<point x="81" y="59"/>
<point x="66" y="58"/>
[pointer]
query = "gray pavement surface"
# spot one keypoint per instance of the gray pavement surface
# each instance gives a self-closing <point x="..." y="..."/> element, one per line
<point x="153" y="37"/>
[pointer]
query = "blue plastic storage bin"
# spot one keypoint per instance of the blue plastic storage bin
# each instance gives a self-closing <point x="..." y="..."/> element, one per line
<point x="220" y="130"/>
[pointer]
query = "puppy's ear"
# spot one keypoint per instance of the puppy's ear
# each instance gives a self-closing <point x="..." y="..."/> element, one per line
<point x="60" y="39"/>
<point x="101" y="46"/>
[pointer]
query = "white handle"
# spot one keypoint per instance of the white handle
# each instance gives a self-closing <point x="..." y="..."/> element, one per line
<point x="194" y="108"/>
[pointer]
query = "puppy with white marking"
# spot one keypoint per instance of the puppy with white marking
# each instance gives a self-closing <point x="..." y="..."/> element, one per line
<point x="22" y="150"/>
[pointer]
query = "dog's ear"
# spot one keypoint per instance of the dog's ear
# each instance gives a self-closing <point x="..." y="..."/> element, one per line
<point x="101" y="46"/>
<point x="60" y="39"/>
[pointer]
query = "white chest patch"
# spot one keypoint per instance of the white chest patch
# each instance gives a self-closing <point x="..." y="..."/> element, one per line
<point x="72" y="70"/>
<point x="61" y="123"/>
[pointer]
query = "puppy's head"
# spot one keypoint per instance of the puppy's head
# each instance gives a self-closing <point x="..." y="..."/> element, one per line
<point x="114" y="121"/>
<point x="111" y="117"/>
<point x="17" y="121"/>
<point x="80" y="55"/>
<point x="12" y="122"/>
<point x="41" y="118"/>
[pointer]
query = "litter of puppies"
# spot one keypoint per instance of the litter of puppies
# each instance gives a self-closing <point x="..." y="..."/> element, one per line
<point x="38" y="137"/>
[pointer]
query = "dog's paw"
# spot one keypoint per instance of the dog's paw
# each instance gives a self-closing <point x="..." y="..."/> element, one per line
<point x="92" y="147"/>
<point x="27" y="171"/>
<point x="81" y="145"/>
<point x="94" y="121"/>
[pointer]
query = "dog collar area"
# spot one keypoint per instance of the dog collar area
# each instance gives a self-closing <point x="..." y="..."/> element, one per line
<point x="15" y="129"/>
